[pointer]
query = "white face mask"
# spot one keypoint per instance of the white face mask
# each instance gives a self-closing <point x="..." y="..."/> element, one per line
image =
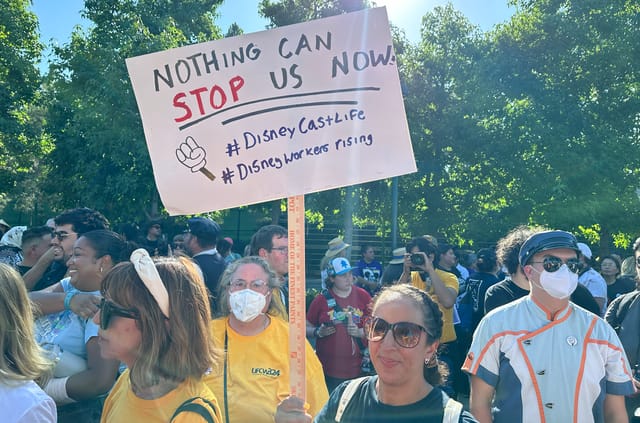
<point x="247" y="304"/>
<point x="559" y="284"/>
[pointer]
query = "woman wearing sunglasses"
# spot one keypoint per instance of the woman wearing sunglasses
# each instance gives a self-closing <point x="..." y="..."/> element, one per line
<point x="154" y="318"/>
<point x="403" y="332"/>
<point x="82" y="378"/>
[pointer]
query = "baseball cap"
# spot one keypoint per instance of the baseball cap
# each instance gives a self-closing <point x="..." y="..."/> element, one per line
<point x="338" y="266"/>
<point x="585" y="250"/>
<point x="546" y="240"/>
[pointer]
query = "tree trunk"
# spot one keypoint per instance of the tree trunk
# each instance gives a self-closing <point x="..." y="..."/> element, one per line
<point x="275" y="212"/>
<point x="349" y="207"/>
<point x="606" y="240"/>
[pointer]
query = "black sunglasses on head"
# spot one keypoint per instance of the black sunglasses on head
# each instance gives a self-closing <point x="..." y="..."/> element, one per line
<point x="108" y="309"/>
<point x="553" y="264"/>
<point x="406" y="334"/>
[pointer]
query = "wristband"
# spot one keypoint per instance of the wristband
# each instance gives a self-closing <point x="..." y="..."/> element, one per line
<point x="316" y="332"/>
<point x="67" y="299"/>
<point x="57" y="389"/>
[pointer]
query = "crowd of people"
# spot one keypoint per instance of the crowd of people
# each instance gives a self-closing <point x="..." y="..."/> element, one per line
<point x="99" y="326"/>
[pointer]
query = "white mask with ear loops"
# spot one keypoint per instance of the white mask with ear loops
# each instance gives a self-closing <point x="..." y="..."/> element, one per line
<point x="559" y="284"/>
<point x="247" y="304"/>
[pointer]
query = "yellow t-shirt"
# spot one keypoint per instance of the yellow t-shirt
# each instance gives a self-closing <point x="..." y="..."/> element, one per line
<point x="258" y="372"/>
<point x="122" y="405"/>
<point x="450" y="281"/>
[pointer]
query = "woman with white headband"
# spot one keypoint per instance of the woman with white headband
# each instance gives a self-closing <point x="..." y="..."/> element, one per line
<point x="154" y="317"/>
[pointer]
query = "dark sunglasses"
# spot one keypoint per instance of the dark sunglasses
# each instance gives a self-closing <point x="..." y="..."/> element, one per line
<point x="61" y="235"/>
<point x="553" y="264"/>
<point x="406" y="334"/>
<point x="108" y="309"/>
<point x="638" y="261"/>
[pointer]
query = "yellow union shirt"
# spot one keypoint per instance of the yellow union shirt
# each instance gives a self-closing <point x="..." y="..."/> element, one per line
<point x="122" y="405"/>
<point x="258" y="372"/>
<point x="450" y="281"/>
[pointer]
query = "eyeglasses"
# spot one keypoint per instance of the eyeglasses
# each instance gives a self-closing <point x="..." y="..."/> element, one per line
<point x="239" y="284"/>
<point x="638" y="261"/>
<point x="406" y="334"/>
<point x="108" y="309"/>
<point x="61" y="235"/>
<point x="281" y="250"/>
<point x="553" y="264"/>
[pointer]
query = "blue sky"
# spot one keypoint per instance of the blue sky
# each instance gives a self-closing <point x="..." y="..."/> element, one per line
<point x="58" y="17"/>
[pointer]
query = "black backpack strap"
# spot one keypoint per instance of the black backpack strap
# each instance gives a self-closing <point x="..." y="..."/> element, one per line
<point x="331" y="302"/>
<point x="192" y="406"/>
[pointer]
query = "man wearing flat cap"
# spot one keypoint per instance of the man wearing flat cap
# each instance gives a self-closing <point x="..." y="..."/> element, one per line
<point x="200" y="243"/>
<point x="542" y="358"/>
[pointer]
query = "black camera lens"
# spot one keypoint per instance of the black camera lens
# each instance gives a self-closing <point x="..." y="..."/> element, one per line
<point x="417" y="259"/>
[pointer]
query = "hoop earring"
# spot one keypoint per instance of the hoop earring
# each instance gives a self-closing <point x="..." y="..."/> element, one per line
<point x="431" y="361"/>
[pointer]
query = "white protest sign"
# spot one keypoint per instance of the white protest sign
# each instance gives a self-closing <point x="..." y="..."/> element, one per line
<point x="274" y="114"/>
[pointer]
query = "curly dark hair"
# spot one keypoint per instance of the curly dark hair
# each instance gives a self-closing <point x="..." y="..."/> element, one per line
<point x="508" y="247"/>
<point x="423" y="245"/>
<point x="82" y="219"/>
<point x="487" y="260"/>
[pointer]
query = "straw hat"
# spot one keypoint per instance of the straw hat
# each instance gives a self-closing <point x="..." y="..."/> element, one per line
<point x="335" y="246"/>
<point x="398" y="256"/>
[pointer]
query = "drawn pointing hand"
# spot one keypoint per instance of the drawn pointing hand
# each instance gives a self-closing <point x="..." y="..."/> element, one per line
<point x="190" y="154"/>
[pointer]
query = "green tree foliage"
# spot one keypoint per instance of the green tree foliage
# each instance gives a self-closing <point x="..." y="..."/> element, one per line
<point x="566" y="81"/>
<point x="288" y="12"/>
<point x="101" y="158"/>
<point x="234" y="30"/>
<point x="440" y="79"/>
<point x="535" y="121"/>
<point x="22" y="144"/>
